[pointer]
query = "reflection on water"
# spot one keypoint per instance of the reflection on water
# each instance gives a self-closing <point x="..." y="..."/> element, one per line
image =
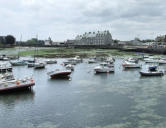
<point x="11" y="100"/>
<point x="118" y="100"/>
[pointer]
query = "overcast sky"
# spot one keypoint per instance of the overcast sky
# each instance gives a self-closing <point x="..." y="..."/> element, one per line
<point x="64" y="19"/>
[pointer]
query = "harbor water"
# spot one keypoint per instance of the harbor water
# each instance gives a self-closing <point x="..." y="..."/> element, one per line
<point x="122" y="99"/>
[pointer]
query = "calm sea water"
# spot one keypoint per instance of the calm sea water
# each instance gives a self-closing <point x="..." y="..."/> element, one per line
<point x="119" y="100"/>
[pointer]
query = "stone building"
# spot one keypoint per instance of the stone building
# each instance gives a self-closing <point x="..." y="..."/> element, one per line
<point x="92" y="38"/>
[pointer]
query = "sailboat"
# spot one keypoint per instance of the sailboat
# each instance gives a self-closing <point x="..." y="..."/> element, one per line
<point x="31" y="63"/>
<point x="18" y="62"/>
<point x="38" y="63"/>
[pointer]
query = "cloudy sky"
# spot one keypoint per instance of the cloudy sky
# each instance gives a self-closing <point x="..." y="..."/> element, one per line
<point x="64" y="19"/>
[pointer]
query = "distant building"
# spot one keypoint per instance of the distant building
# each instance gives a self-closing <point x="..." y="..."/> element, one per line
<point x="92" y="38"/>
<point x="136" y="41"/>
<point x="48" y="41"/>
<point x="161" y="38"/>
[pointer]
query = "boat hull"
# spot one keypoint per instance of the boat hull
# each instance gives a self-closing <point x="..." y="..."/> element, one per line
<point x="4" y="70"/>
<point x="98" y="71"/>
<point x="16" y="88"/>
<point x="151" y="73"/>
<point x="18" y="64"/>
<point x="31" y="65"/>
<point x="127" y="66"/>
<point x="60" y="75"/>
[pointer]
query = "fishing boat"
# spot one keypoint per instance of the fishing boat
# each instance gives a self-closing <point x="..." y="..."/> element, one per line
<point x="18" y="63"/>
<point x="9" y="84"/>
<point x="152" y="71"/>
<point x="103" y="69"/>
<point x="127" y="64"/>
<point x="59" y="73"/>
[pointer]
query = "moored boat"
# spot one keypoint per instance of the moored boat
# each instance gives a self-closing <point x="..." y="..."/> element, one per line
<point x="152" y="71"/>
<point x="10" y="85"/>
<point x="102" y="68"/>
<point x="76" y="59"/>
<point x="59" y="73"/>
<point x="18" y="63"/>
<point x="39" y="65"/>
<point x="127" y="64"/>
<point x="91" y="60"/>
<point x="132" y="60"/>
<point x="51" y="61"/>
<point x="110" y="60"/>
<point x="70" y="67"/>
<point x="162" y="61"/>
<point x="107" y="64"/>
<point x="5" y="68"/>
<point x="31" y="65"/>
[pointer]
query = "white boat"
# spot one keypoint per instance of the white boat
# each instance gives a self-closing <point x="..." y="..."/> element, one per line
<point x="39" y="65"/>
<point x="110" y="60"/>
<point x="103" y="69"/>
<point x="59" y="73"/>
<point x="31" y="65"/>
<point x="51" y="61"/>
<point x="91" y="60"/>
<point x="70" y="67"/>
<point x="5" y="67"/>
<point x="151" y="60"/>
<point x="162" y="61"/>
<point x="76" y="59"/>
<point x="107" y="64"/>
<point x="4" y="58"/>
<point x="9" y="84"/>
<point x="132" y="60"/>
<point x="152" y="71"/>
<point x="6" y="77"/>
<point x="127" y="64"/>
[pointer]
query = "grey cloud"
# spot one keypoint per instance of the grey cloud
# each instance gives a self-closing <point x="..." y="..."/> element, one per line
<point x="63" y="19"/>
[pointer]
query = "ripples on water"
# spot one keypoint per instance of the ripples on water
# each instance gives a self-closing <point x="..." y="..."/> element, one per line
<point x="119" y="100"/>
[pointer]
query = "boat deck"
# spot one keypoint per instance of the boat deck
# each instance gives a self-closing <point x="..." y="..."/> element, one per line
<point x="15" y="85"/>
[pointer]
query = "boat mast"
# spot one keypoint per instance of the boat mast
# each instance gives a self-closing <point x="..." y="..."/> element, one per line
<point x="36" y="50"/>
<point x="19" y="47"/>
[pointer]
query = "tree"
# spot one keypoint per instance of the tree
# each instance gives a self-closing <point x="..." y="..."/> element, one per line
<point x="10" y="40"/>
